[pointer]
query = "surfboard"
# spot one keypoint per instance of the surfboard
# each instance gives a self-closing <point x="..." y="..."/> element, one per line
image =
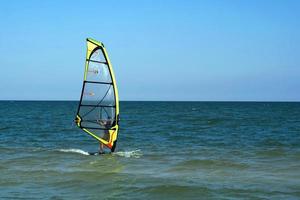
<point x="96" y="153"/>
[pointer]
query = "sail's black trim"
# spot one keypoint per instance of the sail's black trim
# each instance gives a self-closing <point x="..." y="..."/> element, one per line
<point x="96" y="49"/>
<point x="98" y="128"/>
<point x="114" y="146"/>
<point x="78" y="109"/>
<point x="93" y="42"/>
<point x="90" y="105"/>
<point x="98" y="82"/>
<point x="96" y="61"/>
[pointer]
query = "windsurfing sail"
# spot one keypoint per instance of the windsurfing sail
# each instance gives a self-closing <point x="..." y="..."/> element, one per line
<point x="98" y="109"/>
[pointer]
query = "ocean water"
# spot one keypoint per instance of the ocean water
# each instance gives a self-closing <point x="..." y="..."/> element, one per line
<point x="166" y="150"/>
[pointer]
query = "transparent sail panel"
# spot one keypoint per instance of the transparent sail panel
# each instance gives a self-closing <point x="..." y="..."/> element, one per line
<point x="98" y="94"/>
<point x="98" y="72"/>
<point x="96" y="116"/>
<point x="98" y="56"/>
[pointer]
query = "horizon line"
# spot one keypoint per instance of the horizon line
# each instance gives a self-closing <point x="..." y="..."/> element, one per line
<point x="253" y="101"/>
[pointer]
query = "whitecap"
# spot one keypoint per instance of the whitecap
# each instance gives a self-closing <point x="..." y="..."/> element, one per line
<point x="74" y="151"/>
<point x="129" y="154"/>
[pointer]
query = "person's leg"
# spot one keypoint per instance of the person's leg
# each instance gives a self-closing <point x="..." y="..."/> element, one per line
<point x="101" y="147"/>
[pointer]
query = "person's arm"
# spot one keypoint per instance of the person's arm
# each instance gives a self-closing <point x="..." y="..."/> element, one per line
<point x="101" y="122"/>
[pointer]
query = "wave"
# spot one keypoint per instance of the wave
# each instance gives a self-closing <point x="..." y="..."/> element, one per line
<point x="207" y="163"/>
<point x="129" y="154"/>
<point x="79" y="151"/>
<point x="4" y="128"/>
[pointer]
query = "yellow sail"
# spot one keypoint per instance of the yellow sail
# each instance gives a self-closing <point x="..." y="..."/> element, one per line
<point x="98" y="109"/>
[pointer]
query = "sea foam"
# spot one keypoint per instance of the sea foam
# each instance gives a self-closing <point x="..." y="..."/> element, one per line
<point x="74" y="151"/>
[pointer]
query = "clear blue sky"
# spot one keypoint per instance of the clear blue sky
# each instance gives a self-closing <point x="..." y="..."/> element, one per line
<point x="160" y="50"/>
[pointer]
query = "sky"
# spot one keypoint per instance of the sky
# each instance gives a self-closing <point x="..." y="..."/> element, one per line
<point x="160" y="50"/>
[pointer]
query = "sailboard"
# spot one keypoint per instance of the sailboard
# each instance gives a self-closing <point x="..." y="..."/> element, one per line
<point x="98" y="109"/>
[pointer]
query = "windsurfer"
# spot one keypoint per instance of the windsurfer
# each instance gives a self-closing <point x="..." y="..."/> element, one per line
<point x="107" y="125"/>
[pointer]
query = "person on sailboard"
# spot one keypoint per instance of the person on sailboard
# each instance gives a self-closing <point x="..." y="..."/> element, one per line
<point x="107" y="125"/>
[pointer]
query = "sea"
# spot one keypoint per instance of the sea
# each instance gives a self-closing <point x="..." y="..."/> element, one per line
<point x="166" y="150"/>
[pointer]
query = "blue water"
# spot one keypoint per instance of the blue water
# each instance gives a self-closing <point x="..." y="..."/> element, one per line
<point x="166" y="150"/>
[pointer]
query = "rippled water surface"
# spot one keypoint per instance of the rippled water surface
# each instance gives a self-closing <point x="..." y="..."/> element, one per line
<point x="166" y="150"/>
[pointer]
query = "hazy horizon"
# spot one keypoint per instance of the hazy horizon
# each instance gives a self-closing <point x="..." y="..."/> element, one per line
<point x="163" y="101"/>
